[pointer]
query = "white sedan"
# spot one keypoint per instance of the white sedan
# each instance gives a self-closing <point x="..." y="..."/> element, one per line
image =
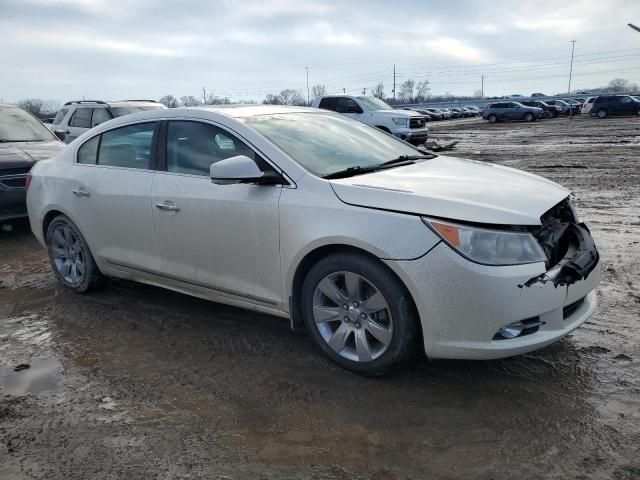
<point x="371" y="245"/>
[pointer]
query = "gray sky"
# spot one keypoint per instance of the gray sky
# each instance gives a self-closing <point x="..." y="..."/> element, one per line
<point x="111" y="49"/>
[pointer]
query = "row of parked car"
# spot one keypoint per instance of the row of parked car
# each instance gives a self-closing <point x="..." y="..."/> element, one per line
<point x="601" y="106"/>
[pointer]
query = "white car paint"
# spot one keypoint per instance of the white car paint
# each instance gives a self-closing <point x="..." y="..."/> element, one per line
<point x="588" y="105"/>
<point x="242" y="244"/>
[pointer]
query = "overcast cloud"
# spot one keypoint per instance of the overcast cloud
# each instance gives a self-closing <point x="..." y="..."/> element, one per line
<point x="66" y="49"/>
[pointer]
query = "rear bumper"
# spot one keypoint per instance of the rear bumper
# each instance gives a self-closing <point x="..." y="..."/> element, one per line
<point x="462" y="304"/>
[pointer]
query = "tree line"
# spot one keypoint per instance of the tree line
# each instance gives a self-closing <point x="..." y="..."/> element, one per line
<point x="409" y="91"/>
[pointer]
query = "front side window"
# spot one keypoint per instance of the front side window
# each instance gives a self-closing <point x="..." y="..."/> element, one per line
<point x="347" y="105"/>
<point x="192" y="147"/>
<point x="128" y="146"/>
<point x="60" y="116"/>
<point x="100" y="115"/>
<point x="325" y="143"/>
<point x="16" y="125"/>
<point x="81" y="118"/>
<point x="625" y="100"/>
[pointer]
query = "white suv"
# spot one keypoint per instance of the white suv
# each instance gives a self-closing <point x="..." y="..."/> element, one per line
<point x="587" y="105"/>
<point x="405" y="124"/>
<point x="76" y="117"/>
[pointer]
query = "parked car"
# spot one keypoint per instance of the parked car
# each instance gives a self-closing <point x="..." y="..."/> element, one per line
<point x="407" y="125"/>
<point x="576" y="104"/>
<point x="550" y="111"/>
<point x="24" y="140"/>
<point x="499" y="111"/>
<point x="475" y="111"/>
<point x="564" y="106"/>
<point x="445" y="115"/>
<point x="587" y="104"/>
<point x="452" y="112"/>
<point x="538" y="94"/>
<point x="366" y="241"/>
<point x="612" y="105"/>
<point x="78" y="116"/>
<point x="461" y="113"/>
<point x="433" y="113"/>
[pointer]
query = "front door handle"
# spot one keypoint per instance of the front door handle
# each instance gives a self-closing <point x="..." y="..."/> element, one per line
<point x="168" y="207"/>
<point x="81" y="192"/>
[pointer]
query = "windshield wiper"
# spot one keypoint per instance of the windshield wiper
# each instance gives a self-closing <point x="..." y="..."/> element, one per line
<point x="358" y="170"/>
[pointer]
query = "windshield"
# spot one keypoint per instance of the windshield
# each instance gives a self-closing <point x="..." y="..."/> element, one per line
<point x="325" y="143"/>
<point x="16" y="125"/>
<point x="120" y="111"/>
<point x="373" y="103"/>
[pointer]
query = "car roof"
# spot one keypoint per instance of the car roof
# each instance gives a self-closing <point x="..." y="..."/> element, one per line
<point x="112" y="103"/>
<point x="240" y="111"/>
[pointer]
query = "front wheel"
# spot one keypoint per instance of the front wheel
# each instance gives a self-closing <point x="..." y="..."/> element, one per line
<point x="602" y="113"/>
<point x="492" y="119"/>
<point x="528" y="117"/>
<point x="70" y="257"/>
<point x="358" y="313"/>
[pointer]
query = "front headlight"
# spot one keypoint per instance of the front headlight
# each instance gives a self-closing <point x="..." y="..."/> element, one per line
<point x="402" y="121"/>
<point x="490" y="247"/>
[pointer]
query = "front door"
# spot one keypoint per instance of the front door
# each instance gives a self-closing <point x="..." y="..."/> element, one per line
<point x="222" y="237"/>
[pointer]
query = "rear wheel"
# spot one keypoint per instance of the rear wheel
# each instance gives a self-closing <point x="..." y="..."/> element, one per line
<point x="492" y="119"/>
<point x="70" y="257"/>
<point x="358" y="313"/>
<point x="602" y="113"/>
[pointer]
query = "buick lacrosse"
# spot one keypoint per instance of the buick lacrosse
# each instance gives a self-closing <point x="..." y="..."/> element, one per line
<point x="370" y="244"/>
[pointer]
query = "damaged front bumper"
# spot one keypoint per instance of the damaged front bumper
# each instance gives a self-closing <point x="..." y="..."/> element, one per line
<point x="462" y="304"/>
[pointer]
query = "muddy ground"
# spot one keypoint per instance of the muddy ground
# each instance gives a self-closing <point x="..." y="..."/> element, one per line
<point x="138" y="382"/>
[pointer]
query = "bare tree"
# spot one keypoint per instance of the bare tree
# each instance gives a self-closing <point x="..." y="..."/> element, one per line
<point x="32" y="105"/>
<point x="169" y="101"/>
<point x="272" y="99"/>
<point x="318" y="91"/>
<point x="618" y="85"/>
<point x="423" y="91"/>
<point x="406" y="90"/>
<point x="189" y="101"/>
<point x="289" y="96"/>
<point x="378" y="91"/>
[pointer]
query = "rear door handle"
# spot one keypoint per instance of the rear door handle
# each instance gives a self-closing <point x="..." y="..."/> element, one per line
<point x="168" y="207"/>
<point x="81" y="192"/>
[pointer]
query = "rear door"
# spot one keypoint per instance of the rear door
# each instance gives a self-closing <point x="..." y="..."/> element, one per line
<point x="79" y="123"/>
<point x="110" y="191"/>
<point x="219" y="237"/>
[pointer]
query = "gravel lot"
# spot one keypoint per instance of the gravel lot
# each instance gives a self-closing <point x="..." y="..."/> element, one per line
<point x="138" y="382"/>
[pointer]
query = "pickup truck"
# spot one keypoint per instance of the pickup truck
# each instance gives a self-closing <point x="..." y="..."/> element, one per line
<point x="405" y="124"/>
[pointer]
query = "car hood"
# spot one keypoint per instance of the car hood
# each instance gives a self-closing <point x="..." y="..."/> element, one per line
<point x="456" y="189"/>
<point x="18" y="154"/>
<point x="398" y="113"/>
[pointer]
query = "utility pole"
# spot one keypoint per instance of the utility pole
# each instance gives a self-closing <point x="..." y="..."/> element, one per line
<point x="482" y="89"/>
<point x="394" y="82"/>
<point x="573" y="46"/>
<point x="204" y="96"/>
<point x="307" y="69"/>
<point x="364" y="91"/>
<point x="344" y="90"/>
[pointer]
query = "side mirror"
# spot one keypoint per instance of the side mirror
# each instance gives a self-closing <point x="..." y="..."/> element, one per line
<point x="60" y="134"/>
<point x="241" y="169"/>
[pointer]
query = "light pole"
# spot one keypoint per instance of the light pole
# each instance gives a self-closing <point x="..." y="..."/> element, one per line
<point x="482" y="88"/>
<point x="573" y="46"/>
<point x="307" y="69"/>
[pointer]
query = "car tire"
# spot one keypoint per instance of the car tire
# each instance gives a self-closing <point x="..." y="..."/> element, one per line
<point x="358" y="313"/>
<point x="492" y="119"/>
<point x="602" y="113"/>
<point x="70" y="256"/>
<point x="529" y="117"/>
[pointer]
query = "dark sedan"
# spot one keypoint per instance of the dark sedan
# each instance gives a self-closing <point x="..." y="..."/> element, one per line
<point x="550" y="111"/>
<point x="23" y="141"/>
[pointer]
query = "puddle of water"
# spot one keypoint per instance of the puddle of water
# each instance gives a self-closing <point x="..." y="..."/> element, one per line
<point x="42" y="376"/>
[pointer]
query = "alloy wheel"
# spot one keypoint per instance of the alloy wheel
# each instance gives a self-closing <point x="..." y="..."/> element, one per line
<point x="68" y="255"/>
<point x="352" y="316"/>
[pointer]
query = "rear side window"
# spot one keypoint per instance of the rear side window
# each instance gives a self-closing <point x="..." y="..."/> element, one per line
<point x="60" y="116"/>
<point x="81" y="118"/>
<point x="329" y="103"/>
<point x="100" y="115"/>
<point x="88" y="152"/>
<point x="192" y="147"/>
<point x="128" y="146"/>
<point x="347" y="105"/>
